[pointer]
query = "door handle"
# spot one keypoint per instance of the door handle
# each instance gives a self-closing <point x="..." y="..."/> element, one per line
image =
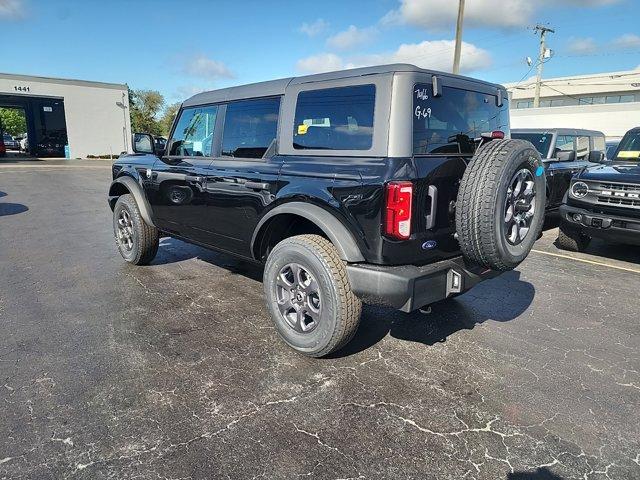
<point x="431" y="218"/>
<point x="257" y="185"/>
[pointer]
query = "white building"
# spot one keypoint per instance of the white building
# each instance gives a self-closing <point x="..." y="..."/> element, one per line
<point x="609" y="102"/>
<point x="90" y="118"/>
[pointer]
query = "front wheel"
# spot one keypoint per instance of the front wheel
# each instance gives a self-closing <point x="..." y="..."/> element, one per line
<point x="309" y="296"/>
<point x="571" y="239"/>
<point x="136" y="240"/>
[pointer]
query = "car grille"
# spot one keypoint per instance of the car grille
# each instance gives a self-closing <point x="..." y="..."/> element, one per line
<point x="619" y="201"/>
<point x="621" y="194"/>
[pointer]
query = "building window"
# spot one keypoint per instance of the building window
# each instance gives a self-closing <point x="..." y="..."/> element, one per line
<point x="524" y="104"/>
<point x="619" y="98"/>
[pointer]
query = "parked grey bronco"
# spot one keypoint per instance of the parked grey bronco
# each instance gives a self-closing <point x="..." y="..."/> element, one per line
<point x="390" y="184"/>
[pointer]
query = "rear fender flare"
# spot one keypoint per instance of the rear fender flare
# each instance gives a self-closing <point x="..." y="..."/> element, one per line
<point x="333" y="228"/>
<point x="136" y="191"/>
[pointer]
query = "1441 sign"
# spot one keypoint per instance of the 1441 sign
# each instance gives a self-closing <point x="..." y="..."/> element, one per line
<point x="21" y="88"/>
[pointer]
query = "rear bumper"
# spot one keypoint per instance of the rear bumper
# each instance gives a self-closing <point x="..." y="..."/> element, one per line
<point x="614" y="228"/>
<point x="407" y="287"/>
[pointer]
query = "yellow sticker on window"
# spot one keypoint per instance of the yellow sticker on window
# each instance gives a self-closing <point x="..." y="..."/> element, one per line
<point x="629" y="154"/>
<point x="302" y="129"/>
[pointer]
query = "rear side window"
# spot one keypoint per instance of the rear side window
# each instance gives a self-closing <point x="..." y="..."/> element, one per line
<point x="193" y="135"/>
<point x="335" y="118"/>
<point x="250" y="127"/>
<point x="449" y="123"/>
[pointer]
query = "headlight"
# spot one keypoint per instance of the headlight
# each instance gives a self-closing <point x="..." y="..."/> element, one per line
<point x="579" y="189"/>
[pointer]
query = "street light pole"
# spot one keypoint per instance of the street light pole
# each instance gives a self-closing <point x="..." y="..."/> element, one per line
<point x="543" y="49"/>
<point x="456" y="53"/>
<point x="123" y="106"/>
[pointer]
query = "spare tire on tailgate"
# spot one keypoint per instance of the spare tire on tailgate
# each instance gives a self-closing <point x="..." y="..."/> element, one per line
<point x="500" y="205"/>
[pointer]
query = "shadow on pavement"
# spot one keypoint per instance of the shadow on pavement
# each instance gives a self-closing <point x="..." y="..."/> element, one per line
<point x="172" y="250"/>
<point x="12" y="208"/>
<point x="502" y="299"/>
<point x="614" y="251"/>
<point x="542" y="473"/>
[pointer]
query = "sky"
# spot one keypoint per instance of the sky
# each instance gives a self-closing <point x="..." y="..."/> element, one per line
<point x="182" y="47"/>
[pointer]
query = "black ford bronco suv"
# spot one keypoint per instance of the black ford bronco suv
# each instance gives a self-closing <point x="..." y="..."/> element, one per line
<point x="604" y="200"/>
<point x="392" y="184"/>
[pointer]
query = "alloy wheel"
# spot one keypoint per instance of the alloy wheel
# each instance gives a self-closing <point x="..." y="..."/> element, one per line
<point x="298" y="297"/>
<point x="520" y="206"/>
<point x="125" y="232"/>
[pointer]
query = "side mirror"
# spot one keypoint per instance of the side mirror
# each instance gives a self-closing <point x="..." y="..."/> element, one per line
<point x="596" y="156"/>
<point x="143" y="143"/>
<point x="567" y="156"/>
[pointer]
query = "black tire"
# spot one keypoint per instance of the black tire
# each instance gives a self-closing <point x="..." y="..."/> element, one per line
<point x="484" y="200"/>
<point x="572" y="239"/>
<point x="139" y="245"/>
<point x="339" y="309"/>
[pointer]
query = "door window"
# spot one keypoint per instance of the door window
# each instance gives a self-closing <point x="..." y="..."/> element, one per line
<point x="250" y="127"/>
<point x="193" y="136"/>
<point x="582" y="148"/>
<point x="564" y="143"/>
<point x="599" y="144"/>
<point x="335" y="118"/>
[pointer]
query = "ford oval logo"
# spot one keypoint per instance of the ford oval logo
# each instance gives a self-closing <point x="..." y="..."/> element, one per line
<point x="429" y="245"/>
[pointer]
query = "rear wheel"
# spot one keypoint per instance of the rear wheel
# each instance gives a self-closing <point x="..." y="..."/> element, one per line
<point x="572" y="239"/>
<point x="500" y="206"/>
<point x="136" y="240"/>
<point x="309" y="296"/>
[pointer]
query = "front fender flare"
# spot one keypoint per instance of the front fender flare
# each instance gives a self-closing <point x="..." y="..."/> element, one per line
<point x="333" y="228"/>
<point x="136" y="191"/>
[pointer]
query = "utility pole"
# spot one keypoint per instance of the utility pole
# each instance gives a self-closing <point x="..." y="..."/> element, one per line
<point x="541" y="55"/>
<point x="456" y="53"/>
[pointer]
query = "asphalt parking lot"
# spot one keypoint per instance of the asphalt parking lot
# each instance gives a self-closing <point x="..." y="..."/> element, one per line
<point x="173" y="371"/>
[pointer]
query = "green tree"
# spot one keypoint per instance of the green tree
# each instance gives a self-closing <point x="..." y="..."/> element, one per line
<point x="13" y="121"/>
<point x="166" y="120"/>
<point x="145" y="107"/>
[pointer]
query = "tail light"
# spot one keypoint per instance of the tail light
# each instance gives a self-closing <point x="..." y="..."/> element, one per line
<point x="496" y="134"/>
<point x="399" y="196"/>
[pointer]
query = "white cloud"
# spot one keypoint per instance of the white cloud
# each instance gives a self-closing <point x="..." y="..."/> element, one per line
<point x="323" y="62"/>
<point x="204" y="67"/>
<point x="351" y="37"/>
<point x="441" y="14"/>
<point x="315" y="28"/>
<point x="186" y="91"/>
<point x="12" y="9"/>
<point x="434" y="55"/>
<point x="582" y="45"/>
<point x="628" y="40"/>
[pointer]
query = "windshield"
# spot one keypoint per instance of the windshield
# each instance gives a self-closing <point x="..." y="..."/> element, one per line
<point x="450" y="122"/>
<point x="542" y="141"/>
<point x="629" y="148"/>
